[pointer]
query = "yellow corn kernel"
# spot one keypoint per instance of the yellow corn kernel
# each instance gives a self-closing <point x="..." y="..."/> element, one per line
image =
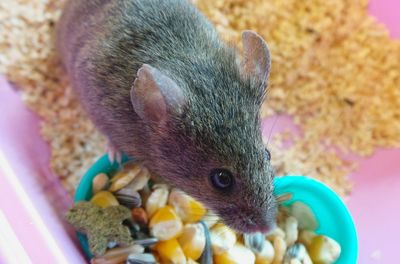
<point x="222" y="238"/>
<point x="324" y="250"/>
<point x="165" y="224"/>
<point x="210" y="219"/>
<point x="306" y="237"/>
<point x="192" y="240"/>
<point x="170" y="252"/>
<point x="238" y="254"/>
<point x="104" y="199"/>
<point x="188" y="209"/>
<point x="157" y="199"/>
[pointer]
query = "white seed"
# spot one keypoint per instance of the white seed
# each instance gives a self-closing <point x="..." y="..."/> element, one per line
<point x="304" y="216"/>
<point x="140" y="180"/>
<point x="266" y="256"/>
<point x="275" y="233"/>
<point x="291" y="225"/>
<point x="124" y="178"/>
<point x="100" y="182"/>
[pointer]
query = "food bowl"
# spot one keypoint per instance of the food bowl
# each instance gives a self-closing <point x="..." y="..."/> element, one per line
<point x="332" y="215"/>
<point x="334" y="219"/>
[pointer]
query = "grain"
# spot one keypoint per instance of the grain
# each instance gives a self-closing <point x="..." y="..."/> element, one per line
<point x="28" y="58"/>
<point x="335" y="70"/>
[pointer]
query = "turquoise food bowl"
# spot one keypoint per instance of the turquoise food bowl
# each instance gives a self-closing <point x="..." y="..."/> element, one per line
<point x="334" y="219"/>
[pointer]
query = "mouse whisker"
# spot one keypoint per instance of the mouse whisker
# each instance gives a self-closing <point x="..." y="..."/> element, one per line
<point x="272" y="130"/>
<point x="284" y="197"/>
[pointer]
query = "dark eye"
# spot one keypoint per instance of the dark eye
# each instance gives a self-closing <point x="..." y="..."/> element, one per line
<point x="221" y="179"/>
<point x="267" y="154"/>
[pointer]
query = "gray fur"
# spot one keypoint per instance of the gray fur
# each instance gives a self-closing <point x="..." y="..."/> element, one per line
<point x="103" y="43"/>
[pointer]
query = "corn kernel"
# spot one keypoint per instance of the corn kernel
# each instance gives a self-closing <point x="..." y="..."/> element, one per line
<point x="324" y="250"/>
<point x="238" y="254"/>
<point x="188" y="209"/>
<point x="123" y="178"/>
<point x="104" y="199"/>
<point x="210" y="219"/>
<point x="222" y="238"/>
<point x="306" y="237"/>
<point x="192" y="240"/>
<point x="140" y="180"/>
<point x="170" y="252"/>
<point x="100" y="182"/>
<point x="191" y="261"/>
<point x="165" y="224"/>
<point x="157" y="199"/>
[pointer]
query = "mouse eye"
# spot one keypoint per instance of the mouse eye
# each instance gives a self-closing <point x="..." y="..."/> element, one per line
<point x="221" y="179"/>
<point x="267" y="154"/>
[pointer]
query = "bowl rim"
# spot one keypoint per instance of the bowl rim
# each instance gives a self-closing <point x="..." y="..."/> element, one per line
<point x="330" y="197"/>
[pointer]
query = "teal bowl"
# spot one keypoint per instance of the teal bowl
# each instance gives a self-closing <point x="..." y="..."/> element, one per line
<point x="334" y="219"/>
<point x="332" y="215"/>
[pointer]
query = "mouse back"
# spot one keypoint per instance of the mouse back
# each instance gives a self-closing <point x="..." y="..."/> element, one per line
<point x="158" y="82"/>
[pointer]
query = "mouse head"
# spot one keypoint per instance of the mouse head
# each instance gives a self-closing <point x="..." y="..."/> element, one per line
<point x="206" y="138"/>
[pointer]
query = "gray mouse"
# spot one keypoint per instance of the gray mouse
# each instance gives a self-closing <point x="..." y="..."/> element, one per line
<point x="160" y="84"/>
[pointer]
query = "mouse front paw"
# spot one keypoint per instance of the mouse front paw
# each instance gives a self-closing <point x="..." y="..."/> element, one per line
<point x="114" y="155"/>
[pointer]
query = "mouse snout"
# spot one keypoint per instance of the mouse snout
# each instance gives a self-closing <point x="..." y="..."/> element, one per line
<point x="249" y="220"/>
<point x="260" y="223"/>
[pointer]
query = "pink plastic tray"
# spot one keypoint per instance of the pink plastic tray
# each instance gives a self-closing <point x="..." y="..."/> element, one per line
<point x="32" y="201"/>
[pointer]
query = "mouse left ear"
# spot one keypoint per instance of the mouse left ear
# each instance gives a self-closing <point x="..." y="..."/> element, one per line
<point x="154" y="95"/>
<point x="256" y="56"/>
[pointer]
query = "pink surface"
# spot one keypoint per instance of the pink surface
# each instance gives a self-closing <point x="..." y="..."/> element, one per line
<point x="32" y="200"/>
<point x="387" y="12"/>
<point x="373" y="202"/>
<point x="375" y="206"/>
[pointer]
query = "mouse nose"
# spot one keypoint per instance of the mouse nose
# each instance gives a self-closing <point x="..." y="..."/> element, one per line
<point x="260" y="223"/>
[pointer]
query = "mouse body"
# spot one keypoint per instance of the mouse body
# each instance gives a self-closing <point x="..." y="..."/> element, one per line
<point x="159" y="83"/>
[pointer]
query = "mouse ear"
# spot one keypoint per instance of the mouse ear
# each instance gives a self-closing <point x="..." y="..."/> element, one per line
<point x="256" y="56"/>
<point x="154" y="95"/>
